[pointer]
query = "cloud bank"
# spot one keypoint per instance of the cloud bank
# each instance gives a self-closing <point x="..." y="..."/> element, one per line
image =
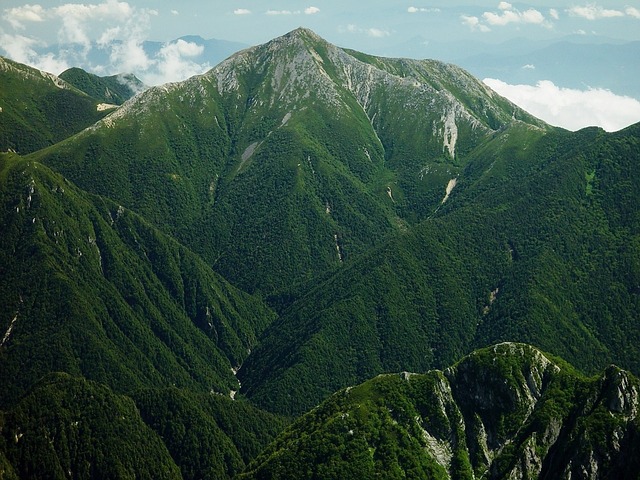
<point x="571" y="108"/>
<point x="113" y="30"/>
<point x="507" y="14"/>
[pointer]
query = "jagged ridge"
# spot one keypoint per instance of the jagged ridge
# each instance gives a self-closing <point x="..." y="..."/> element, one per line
<point x="507" y="411"/>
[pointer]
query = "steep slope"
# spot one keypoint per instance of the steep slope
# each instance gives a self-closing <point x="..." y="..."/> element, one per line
<point x="508" y="411"/>
<point x="71" y="428"/>
<point x="208" y="436"/>
<point x="38" y="109"/>
<point x="112" y="90"/>
<point x="68" y="427"/>
<point x="289" y="158"/>
<point x="537" y="243"/>
<point x="91" y="289"/>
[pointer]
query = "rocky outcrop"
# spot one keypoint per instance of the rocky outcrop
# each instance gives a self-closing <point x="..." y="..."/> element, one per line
<point x="504" y="412"/>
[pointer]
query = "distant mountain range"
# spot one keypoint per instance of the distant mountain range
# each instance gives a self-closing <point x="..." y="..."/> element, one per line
<point x="568" y="64"/>
<point x="188" y="278"/>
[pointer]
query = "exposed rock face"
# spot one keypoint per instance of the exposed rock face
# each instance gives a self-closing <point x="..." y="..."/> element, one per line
<point x="504" y="412"/>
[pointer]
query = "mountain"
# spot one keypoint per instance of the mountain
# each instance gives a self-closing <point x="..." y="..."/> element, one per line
<point x="90" y="289"/>
<point x="68" y="427"/>
<point x="508" y="411"/>
<point x="537" y="243"/>
<point x="38" y="109"/>
<point x="289" y="158"/>
<point x="217" y="253"/>
<point x="113" y="90"/>
<point x="396" y="213"/>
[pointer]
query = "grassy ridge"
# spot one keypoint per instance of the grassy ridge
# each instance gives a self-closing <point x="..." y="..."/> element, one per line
<point x="113" y="90"/>
<point x="38" y="109"/>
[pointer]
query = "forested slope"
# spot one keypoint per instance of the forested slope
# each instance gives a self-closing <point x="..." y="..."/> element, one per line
<point x="537" y="243"/>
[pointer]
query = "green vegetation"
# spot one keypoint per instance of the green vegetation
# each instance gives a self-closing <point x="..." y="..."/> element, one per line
<point x="383" y="215"/>
<point x="93" y="290"/>
<point x="113" y="90"/>
<point x="520" y="252"/>
<point x="503" y="412"/>
<point x="289" y="159"/>
<point x="208" y="436"/>
<point x="70" y="428"/>
<point x="38" y="109"/>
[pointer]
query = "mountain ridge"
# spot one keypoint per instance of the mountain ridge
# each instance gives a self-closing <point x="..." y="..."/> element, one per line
<point x="506" y="411"/>
<point x="224" y="124"/>
<point x="43" y="113"/>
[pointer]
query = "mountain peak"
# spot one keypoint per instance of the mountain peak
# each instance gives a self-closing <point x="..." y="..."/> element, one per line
<point x="303" y="32"/>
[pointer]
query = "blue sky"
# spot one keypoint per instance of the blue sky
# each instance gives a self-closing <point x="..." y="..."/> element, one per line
<point x="425" y="29"/>
<point x="373" y="24"/>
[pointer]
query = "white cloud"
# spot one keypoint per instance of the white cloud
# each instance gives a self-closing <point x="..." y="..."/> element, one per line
<point x="422" y="10"/>
<point x="510" y="15"/>
<point x="77" y="23"/>
<point x="109" y="35"/>
<point x="528" y="66"/>
<point x="242" y="11"/>
<point x="129" y="56"/>
<point x="114" y="27"/>
<point x="507" y="14"/>
<point x="594" y="12"/>
<point x="532" y="16"/>
<point x="633" y="12"/>
<point x="175" y="12"/>
<point x="502" y="19"/>
<point x="306" y="11"/>
<point x="17" y="16"/>
<point x="571" y="108"/>
<point x="371" y="32"/>
<point x="21" y="49"/>
<point x="474" y="23"/>
<point x="553" y="13"/>
<point x="174" y="63"/>
<point x="377" y="33"/>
